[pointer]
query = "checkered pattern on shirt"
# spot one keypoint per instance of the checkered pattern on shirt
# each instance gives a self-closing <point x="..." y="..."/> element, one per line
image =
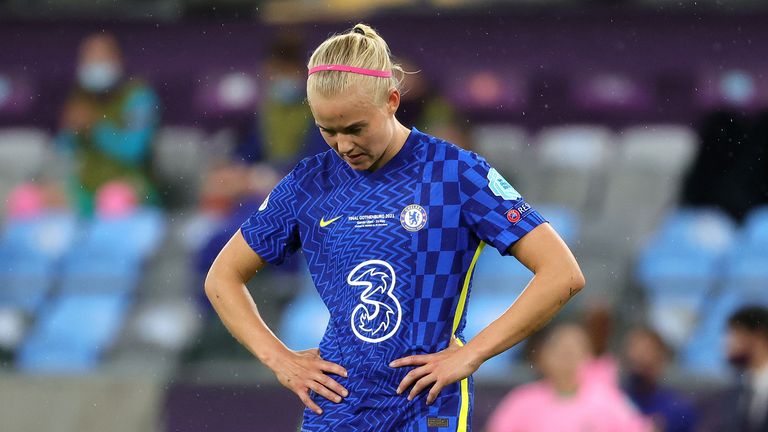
<point x="451" y="185"/>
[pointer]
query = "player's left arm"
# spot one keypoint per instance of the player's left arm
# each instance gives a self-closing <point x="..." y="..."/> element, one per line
<point x="557" y="278"/>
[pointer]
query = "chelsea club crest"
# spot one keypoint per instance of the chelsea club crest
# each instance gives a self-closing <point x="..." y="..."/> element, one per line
<point x="413" y="217"/>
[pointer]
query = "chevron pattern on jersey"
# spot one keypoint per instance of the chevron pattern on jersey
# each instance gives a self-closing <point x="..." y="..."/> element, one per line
<point x="429" y="268"/>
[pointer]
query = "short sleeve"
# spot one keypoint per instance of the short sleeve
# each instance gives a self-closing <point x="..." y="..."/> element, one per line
<point x="272" y="230"/>
<point x="491" y="207"/>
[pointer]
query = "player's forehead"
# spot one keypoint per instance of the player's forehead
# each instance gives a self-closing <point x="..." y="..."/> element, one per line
<point x="341" y="111"/>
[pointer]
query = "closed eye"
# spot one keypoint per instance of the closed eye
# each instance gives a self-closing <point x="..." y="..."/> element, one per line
<point x="354" y="129"/>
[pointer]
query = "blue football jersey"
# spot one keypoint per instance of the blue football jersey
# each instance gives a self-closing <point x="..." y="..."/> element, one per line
<point x="391" y="253"/>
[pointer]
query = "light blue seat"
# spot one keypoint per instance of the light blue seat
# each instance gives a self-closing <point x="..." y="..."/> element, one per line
<point x="26" y="278"/>
<point x="500" y="275"/>
<point x="482" y="309"/>
<point x="93" y="271"/>
<point x="50" y="234"/>
<point x="563" y="219"/>
<point x="680" y="266"/>
<point x="696" y="228"/>
<point x="746" y="272"/>
<point x="137" y="235"/>
<point x="755" y="231"/>
<point x="676" y="283"/>
<point x="304" y="321"/>
<point x="72" y="333"/>
<point x="704" y="352"/>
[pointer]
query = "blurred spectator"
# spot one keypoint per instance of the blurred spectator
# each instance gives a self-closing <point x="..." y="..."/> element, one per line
<point x="598" y="323"/>
<point x="32" y="199"/>
<point x="423" y="106"/>
<point x="564" y="400"/>
<point x="107" y="125"/>
<point x="284" y="130"/>
<point x="744" y="407"/>
<point x="726" y="172"/>
<point x="760" y="157"/>
<point x="647" y="357"/>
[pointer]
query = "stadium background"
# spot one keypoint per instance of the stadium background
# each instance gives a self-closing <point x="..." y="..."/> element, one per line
<point x="597" y="111"/>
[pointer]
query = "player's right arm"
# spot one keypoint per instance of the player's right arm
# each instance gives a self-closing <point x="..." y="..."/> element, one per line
<point x="299" y="371"/>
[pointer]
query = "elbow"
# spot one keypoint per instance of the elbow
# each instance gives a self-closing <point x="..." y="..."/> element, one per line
<point x="576" y="281"/>
<point x="210" y="287"/>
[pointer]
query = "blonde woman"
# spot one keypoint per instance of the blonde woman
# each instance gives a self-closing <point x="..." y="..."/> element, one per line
<point x="391" y="222"/>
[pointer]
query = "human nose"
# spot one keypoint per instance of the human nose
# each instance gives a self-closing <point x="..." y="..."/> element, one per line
<point x="344" y="143"/>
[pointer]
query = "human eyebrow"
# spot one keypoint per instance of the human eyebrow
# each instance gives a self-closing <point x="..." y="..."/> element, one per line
<point x="353" y="127"/>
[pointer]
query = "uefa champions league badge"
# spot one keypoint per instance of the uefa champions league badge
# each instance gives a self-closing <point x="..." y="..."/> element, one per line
<point x="413" y="217"/>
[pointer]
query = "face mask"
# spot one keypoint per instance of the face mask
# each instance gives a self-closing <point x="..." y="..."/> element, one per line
<point x="739" y="361"/>
<point x="286" y="90"/>
<point x="98" y="77"/>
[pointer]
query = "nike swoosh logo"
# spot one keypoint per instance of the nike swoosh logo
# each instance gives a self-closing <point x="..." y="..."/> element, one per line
<point x="325" y="223"/>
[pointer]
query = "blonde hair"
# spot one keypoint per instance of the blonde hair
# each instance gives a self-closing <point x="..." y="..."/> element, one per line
<point x="361" y="47"/>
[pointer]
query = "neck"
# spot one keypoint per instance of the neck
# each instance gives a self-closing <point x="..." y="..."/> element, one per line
<point x="399" y="136"/>
<point x="565" y="386"/>
<point x="760" y="362"/>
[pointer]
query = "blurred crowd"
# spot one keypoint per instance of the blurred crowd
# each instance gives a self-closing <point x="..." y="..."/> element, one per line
<point x="104" y="169"/>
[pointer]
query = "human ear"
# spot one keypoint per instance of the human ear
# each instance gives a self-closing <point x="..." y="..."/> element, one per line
<point x="393" y="101"/>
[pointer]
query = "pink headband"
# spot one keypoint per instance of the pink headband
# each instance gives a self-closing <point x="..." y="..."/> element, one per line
<point x="352" y="69"/>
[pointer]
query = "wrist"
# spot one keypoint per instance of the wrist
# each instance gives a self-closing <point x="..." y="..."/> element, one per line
<point x="272" y="356"/>
<point x="475" y="356"/>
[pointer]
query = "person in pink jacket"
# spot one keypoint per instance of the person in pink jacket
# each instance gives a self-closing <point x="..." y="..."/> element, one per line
<point x="566" y="398"/>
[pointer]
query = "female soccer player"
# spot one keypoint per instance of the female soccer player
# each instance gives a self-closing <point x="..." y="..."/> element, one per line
<point x="391" y="222"/>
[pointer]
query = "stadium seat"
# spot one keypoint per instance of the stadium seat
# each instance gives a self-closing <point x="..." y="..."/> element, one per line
<point x="564" y="220"/>
<point x="676" y="283"/>
<point x="645" y="178"/>
<point x="26" y="278"/>
<point x="178" y="160"/>
<point x="499" y="275"/>
<point x="304" y="321"/>
<point x="755" y="231"/>
<point x="746" y="272"/>
<point x="137" y="235"/>
<point x="166" y="324"/>
<point x="50" y="234"/>
<point x="22" y="153"/>
<point x="680" y="267"/>
<point x="72" y="333"/>
<point x="13" y="327"/>
<point x="696" y="228"/>
<point x="703" y="353"/>
<point x="506" y="148"/>
<point x="572" y="162"/>
<point x="99" y="271"/>
<point x="482" y="309"/>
